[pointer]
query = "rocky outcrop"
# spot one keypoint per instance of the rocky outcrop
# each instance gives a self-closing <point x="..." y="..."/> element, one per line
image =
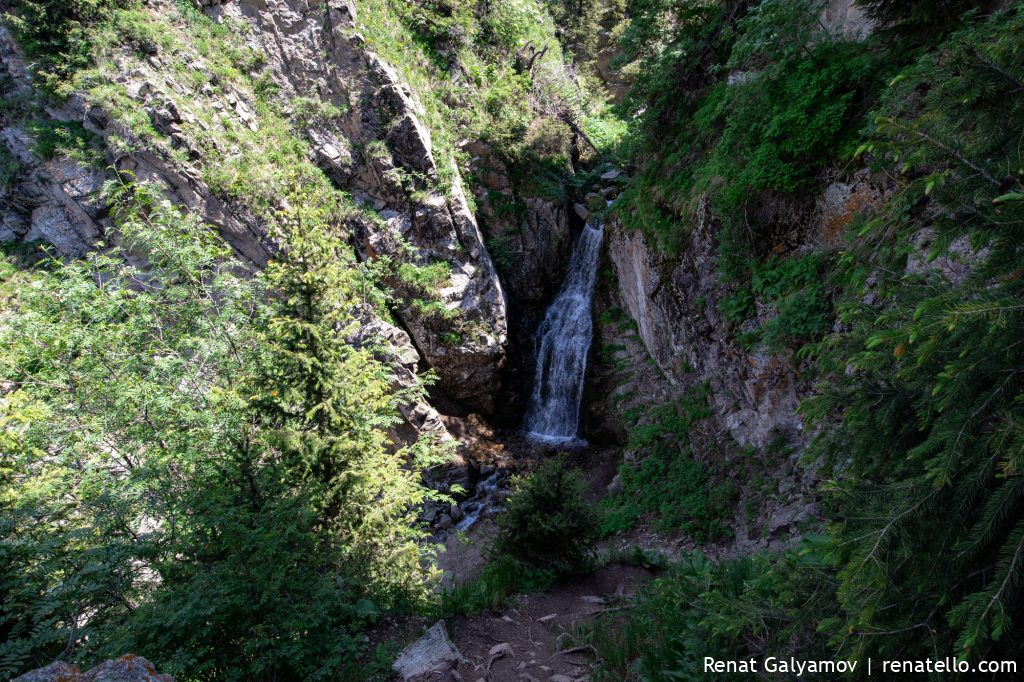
<point x="413" y="211"/>
<point x="754" y="394"/>
<point x="394" y="347"/>
<point x="530" y="233"/>
<point x="315" y="50"/>
<point x="846" y="19"/>
<point x="616" y="83"/>
<point x="128" y="668"/>
<point x="55" y="201"/>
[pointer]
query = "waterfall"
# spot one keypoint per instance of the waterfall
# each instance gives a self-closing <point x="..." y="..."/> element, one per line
<point x="563" y="341"/>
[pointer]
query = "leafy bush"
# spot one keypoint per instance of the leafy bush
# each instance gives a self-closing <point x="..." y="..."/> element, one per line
<point x="503" y="253"/>
<point x="426" y="278"/>
<point x="498" y="581"/>
<point x="804" y="315"/>
<point x="10" y="167"/>
<point x="794" y="286"/>
<point x="677" y="491"/>
<point x="61" y="138"/>
<point x="56" y="34"/>
<point x="781" y="126"/>
<point x="444" y="26"/>
<point x="549" y="523"/>
<point x="777" y="276"/>
<point x="766" y="101"/>
<point x="737" y="306"/>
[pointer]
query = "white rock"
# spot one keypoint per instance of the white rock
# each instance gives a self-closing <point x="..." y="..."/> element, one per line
<point x="433" y="652"/>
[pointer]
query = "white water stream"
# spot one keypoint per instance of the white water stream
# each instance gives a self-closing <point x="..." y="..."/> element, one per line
<point x="563" y="342"/>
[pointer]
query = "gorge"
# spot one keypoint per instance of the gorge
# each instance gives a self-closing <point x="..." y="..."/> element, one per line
<point x="509" y="340"/>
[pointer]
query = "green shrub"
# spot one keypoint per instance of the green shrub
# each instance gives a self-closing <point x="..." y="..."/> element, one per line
<point x="677" y="491"/>
<point x="804" y="315"/>
<point x="427" y="279"/>
<point x="549" y="523"/>
<point x="56" y="34"/>
<point x="779" y="276"/>
<point x="795" y="104"/>
<point x="750" y="607"/>
<point x="794" y="287"/>
<point x="503" y="253"/>
<point x="10" y="167"/>
<point x="737" y="305"/>
<point x="61" y="138"/>
<point x="499" y="580"/>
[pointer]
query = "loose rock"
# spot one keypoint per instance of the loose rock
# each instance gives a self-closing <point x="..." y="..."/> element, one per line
<point x="431" y="653"/>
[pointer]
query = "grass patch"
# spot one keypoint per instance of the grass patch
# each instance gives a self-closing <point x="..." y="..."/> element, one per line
<point x="666" y="484"/>
<point x="493" y="588"/>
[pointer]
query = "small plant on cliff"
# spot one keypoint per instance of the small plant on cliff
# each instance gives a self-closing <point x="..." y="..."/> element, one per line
<point x="667" y="485"/>
<point x="549" y="523"/>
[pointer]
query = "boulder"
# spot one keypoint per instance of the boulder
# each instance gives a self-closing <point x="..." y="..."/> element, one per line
<point x="431" y="653"/>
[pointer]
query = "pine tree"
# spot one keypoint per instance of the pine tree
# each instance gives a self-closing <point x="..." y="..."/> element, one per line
<point x="928" y="383"/>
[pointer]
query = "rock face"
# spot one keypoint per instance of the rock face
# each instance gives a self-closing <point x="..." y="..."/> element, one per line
<point x="753" y="394"/>
<point x="530" y="237"/>
<point x="846" y="19"/>
<point x="533" y="232"/>
<point x="413" y="211"/>
<point x="420" y="417"/>
<point x="128" y="668"/>
<point x="48" y="200"/>
<point x="313" y="49"/>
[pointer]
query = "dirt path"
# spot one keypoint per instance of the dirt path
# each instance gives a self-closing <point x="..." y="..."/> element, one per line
<point x="532" y="640"/>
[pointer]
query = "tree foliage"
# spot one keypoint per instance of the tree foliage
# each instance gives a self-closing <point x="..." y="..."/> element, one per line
<point x="918" y="316"/>
<point x="196" y="458"/>
<point x="928" y="382"/>
<point x="549" y="524"/>
<point x="56" y="34"/>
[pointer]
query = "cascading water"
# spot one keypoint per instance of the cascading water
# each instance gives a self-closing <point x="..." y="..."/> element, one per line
<point x="563" y="341"/>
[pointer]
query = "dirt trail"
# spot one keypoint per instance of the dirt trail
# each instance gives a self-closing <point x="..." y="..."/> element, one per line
<point x="532" y="640"/>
